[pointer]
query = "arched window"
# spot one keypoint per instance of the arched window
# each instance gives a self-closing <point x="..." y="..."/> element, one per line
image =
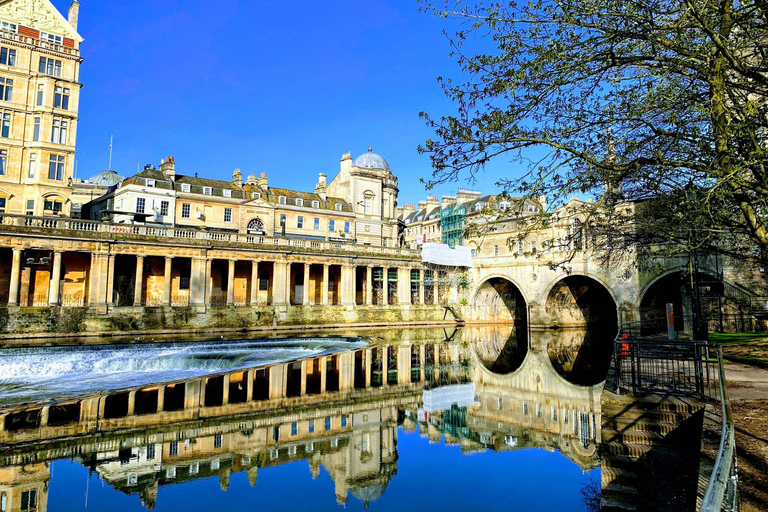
<point x="368" y="202"/>
<point x="256" y="227"/>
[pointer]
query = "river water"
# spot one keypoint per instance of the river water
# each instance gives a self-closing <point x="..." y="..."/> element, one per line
<point x="411" y="419"/>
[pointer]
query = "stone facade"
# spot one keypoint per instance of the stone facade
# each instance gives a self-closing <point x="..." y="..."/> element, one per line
<point x="39" y="102"/>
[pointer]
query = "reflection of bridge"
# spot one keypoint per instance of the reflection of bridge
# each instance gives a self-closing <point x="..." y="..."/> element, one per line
<point x="340" y="411"/>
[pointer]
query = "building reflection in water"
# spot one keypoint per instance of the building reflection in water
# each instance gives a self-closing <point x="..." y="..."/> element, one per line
<point x="481" y="389"/>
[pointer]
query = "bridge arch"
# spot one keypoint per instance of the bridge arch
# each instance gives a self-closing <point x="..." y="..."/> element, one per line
<point x="499" y="298"/>
<point x="578" y="300"/>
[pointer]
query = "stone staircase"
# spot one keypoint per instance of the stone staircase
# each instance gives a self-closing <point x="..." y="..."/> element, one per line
<point x="650" y="449"/>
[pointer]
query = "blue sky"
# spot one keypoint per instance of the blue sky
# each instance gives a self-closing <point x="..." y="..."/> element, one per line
<point x="284" y="87"/>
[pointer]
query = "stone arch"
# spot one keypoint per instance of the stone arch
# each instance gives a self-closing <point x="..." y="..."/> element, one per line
<point x="256" y="227"/>
<point x="579" y="300"/>
<point x="501" y="350"/>
<point x="500" y="299"/>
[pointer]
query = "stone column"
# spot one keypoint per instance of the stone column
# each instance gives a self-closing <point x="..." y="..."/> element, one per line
<point x="254" y="282"/>
<point x="422" y="361"/>
<point x="384" y="364"/>
<point x="208" y="280"/>
<point x="279" y="286"/>
<point x="249" y="385"/>
<point x="55" y="280"/>
<point x="347" y="297"/>
<point x="131" y="403"/>
<point x="167" y="281"/>
<point x="323" y="373"/>
<point x="305" y="295"/>
<point x="231" y="283"/>
<point x="303" y="377"/>
<point x="324" y="297"/>
<point x="225" y="390"/>
<point x="404" y="286"/>
<point x="197" y="282"/>
<point x="421" y="287"/>
<point x="160" y="398"/>
<point x="436" y="288"/>
<point x="139" y="284"/>
<point x="368" y="366"/>
<point x="369" y="285"/>
<point x="111" y="280"/>
<point x="13" y="292"/>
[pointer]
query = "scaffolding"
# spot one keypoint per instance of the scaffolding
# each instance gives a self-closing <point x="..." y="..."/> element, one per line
<point x="453" y="220"/>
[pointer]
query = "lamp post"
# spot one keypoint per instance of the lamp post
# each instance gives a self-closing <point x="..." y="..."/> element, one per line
<point x="700" y="331"/>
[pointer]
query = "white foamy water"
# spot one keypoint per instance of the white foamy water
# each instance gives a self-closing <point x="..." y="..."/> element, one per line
<point x="30" y="374"/>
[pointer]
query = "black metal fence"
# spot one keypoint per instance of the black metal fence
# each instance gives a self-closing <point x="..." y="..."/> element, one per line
<point x="653" y="366"/>
<point x="727" y="323"/>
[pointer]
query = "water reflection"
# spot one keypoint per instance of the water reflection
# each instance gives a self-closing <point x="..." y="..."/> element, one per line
<point x="348" y="415"/>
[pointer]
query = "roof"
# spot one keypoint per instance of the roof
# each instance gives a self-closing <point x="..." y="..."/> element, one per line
<point x="141" y="178"/>
<point x="371" y="160"/>
<point x="105" y="179"/>
<point x="329" y="203"/>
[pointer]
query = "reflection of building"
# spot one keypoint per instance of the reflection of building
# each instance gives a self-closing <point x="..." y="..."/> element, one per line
<point x="24" y="488"/>
<point x="39" y="93"/>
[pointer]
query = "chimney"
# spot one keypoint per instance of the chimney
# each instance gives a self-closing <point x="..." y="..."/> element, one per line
<point x="320" y="187"/>
<point x="73" y="13"/>
<point x="432" y="201"/>
<point x="168" y="168"/>
<point x="263" y="180"/>
<point x="237" y="178"/>
<point x="448" y="201"/>
<point x="346" y="162"/>
<point x="422" y="205"/>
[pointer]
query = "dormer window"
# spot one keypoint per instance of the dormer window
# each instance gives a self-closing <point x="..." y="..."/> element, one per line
<point x="255" y="195"/>
<point x="281" y="199"/>
<point x="315" y="204"/>
<point x="479" y="206"/>
<point x="207" y="191"/>
<point x="227" y="193"/>
<point x="503" y="206"/>
<point x="150" y="183"/>
<point x="338" y="207"/>
<point x="50" y="38"/>
<point x="531" y="208"/>
<point x="299" y="202"/>
<point x="7" y="26"/>
<point x="186" y="187"/>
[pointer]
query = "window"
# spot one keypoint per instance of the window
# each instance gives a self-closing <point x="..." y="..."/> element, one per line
<point x="50" y="67"/>
<point x="264" y="281"/>
<point x="474" y="252"/>
<point x="282" y="220"/>
<point x="140" y="202"/>
<point x="173" y="449"/>
<point x="554" y="413"/>
<point x="29" y="501"/>
<point x="151" y="452"/>
<point x="299" y="222"/>
<point x="32" y="165"/>
<point x="533" y="247"/>
<point x="6" y="89"/>
<point x="52" y="206"/>
<point x="531" y="208"/>
<point x="194" y="468"/>
<point x="331" y="225"/>
<point x="30" y="206"/>
<point x="6" y="128"/>
<point x="347" y="226"/>
<point x="328" y="423"/>
<point x="294" y="428"/>
<point x="2" y="204"/>
<point x="40" y="95"/>
<point x="520" y="249"/>
<point x="317" y="224"/>
<point x="311" y="426"/>
<point x="170" y="473"/>
<point x="150" y="183"/>
<point x="227" y="193"/>
<point x="275" y="433"/>
<point x="7" y="26"/>
<point x="51" y="38"/>
<point x="185" y="210"/>
<point x="525" y="408"/>
<point x="495" y="250"/>
<point x="338" y="207"/>
<point x="217" y="440"/>
<point x="61" y="98"/>
<point x="164" y="208"/>
<point x="281" y="199"/>
<point x="56" y="168"/>
<point x="185" y="187"/>
<point x="3" y="502"/>
<point x="368" y="205"/>
<point x="207" y="191"/>
<point x="3" y="161"/>
<point x="227" y="214"/>
<point x="315" y="204"/>
<point x="59" y="135"/>
<point x="36" y="134"/>
<point x="299" y="202"/>
<point x="255" y="195"/>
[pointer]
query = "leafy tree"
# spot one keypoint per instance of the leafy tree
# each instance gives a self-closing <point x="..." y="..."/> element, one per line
<point x="639" y="101"/>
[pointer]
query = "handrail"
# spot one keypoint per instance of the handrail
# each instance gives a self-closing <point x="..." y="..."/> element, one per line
<point x="724" y="476"/>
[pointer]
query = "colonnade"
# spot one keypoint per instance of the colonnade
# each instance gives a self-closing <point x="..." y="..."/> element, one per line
<point x="37" y="278"/>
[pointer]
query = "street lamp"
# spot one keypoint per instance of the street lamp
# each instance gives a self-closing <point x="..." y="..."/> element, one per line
<point x="700" y="331"/>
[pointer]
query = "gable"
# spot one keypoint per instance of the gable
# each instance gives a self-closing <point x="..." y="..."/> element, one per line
<point x="37" y="14"/>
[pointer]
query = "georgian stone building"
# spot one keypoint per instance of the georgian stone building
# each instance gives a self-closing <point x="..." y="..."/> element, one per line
<point x="39" y="101"/>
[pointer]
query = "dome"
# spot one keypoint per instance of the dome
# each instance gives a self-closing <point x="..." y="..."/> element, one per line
<point x="105" y="179"/>
<point x="371" y="160"/>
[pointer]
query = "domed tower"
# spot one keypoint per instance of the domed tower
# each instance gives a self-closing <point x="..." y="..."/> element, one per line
<point x="367" y="183"/>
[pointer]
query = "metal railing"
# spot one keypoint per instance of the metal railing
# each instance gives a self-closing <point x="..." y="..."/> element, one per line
<point x="654" y="327"/>
<point x="89" y="226"/>
<point x="722" y="491"/>
<point x="651" y="366"/>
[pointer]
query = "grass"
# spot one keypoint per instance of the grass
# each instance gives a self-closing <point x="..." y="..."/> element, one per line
<point x="746" y="348"/>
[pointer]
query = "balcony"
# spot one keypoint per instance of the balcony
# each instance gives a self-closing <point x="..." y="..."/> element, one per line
<point x="17" y="38"/>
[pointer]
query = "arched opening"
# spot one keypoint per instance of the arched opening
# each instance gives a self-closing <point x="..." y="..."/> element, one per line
<point x="581" y="353"/>
<point x="256" y="227"/>
<point x="53" y="204"/>
<point x="675" y="288"/>
<point x="500" y="300"/>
